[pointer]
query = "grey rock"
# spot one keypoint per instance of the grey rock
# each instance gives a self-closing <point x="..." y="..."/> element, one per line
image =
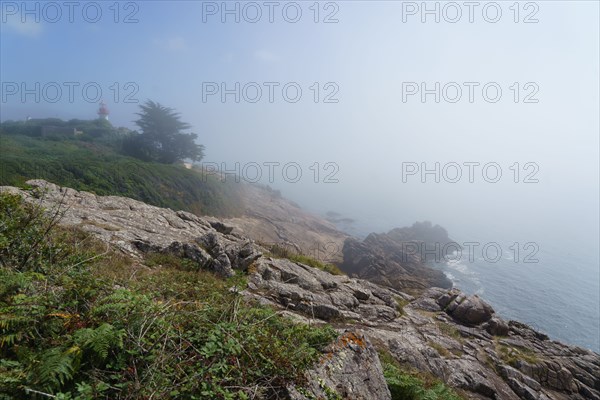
<point x="508" y="373"/>
<point x="221" y="227"/>
<point x="427" y="304"/>
<point x="191" y="252"/>
<point x="523" y="391"/>
<point x="389" y="259"/>
<point x="284" y="282"/>
<point x="350" y="368"/>
<point x="362" y="294"/>
<point x="443" y="333"/>
<point x="497" y="327"/>
<point x="470" y="310"/>
<point x="446" y="298"/>
<point x="222" y="266"/>
<point x="588" y="393"/>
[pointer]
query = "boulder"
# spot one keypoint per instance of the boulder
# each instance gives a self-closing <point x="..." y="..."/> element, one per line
<point x="470" y="310"/>
<point x="497" y="327"/>
<point x="522" y="363"/>
<point x="446" y="298"/>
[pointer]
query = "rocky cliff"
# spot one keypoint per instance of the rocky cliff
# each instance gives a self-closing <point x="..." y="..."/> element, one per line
<point x="442" y="332"/>
<point x="397" y="259"/>
<point x="400" y="258"/>
<point x="268" y="218"/>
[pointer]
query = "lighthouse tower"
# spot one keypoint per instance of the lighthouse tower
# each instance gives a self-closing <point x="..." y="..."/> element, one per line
<point x="103" y="111"/>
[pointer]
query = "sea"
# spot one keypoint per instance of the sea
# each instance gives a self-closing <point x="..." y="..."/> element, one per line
<point x="551" y="285"/>
<point x="556" y="292"/>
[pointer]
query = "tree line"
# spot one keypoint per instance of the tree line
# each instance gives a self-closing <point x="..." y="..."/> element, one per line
<point x="162" y="137"/>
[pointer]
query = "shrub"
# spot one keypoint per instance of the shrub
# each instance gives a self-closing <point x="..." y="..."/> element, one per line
<point x="449" y="330"/>
<point x="97" y="166"/>
<point x="411" y="385"/>
<point x="514" y="355"/>
<point x="400" y="304"/>
<point x="284" y="252"/>
<point x="68" y="329"/>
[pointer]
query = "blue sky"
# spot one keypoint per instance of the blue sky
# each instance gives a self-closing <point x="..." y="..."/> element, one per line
<point x="168" y="53"/>
<point x="372" y="129"/>
<point x="366" y="58"/>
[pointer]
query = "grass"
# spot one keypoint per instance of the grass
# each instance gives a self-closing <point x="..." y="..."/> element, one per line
<point x="278" y="251"/>
<point x="97" y="166"/>
<point x="400" y="304"/>
<point x="440" y="349"/>
<point x="449" y="330"/>
<point x="408" y="384"/>
<point x="513" y="355"/>
<point x="80" y="321"/>
<point x="101" y="225"/>
<point x="429" y="314"/>
<point x="169" y="260"/>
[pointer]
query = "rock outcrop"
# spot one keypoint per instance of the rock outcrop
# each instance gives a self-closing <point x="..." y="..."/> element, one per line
<point x="399" y="258"/>
<point x="269" y="218"/>
<point x="444" y="333"/>
<point x="319" y="295"/>
<point x="350" y="368"/>
<point x="466" y="309"/>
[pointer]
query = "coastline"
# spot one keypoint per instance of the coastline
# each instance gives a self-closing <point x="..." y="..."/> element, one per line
<point x="511" y="298"/>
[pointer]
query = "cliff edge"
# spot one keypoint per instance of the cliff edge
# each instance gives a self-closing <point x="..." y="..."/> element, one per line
<point x="442" y="333"/>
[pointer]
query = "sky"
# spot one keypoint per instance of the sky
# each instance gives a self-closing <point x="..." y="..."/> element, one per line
<point x="342" y="105"/>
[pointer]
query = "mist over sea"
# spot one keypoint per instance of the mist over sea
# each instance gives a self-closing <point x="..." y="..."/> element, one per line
<point x="556" y="290"/>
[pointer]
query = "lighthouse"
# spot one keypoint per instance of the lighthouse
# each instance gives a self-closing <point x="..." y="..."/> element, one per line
<point x="103" y="111"/>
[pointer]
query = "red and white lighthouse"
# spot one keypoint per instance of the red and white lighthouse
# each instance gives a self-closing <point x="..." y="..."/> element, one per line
<point x="103" y="111"/>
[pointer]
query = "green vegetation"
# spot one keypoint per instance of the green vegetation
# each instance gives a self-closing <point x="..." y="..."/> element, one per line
<point x="439" y="348"/>
<point x="95" y="156"/>
<point x="449" y="330"/>
<point x="329" y="392"/>
<point x="513" y="355"/>
<point x="55" y="128"/>
<point x="400" y="304"/>
<point x="279" y="251"/>
<point x="96" y="165"/>
<point x="411" y="385"/>
<point x="168" y="260"/>
<point x="79" y="321"/>
<point x="162" y="139"/>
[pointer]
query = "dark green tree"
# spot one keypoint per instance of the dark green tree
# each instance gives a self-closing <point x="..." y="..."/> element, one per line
<point x="161" y="138"/>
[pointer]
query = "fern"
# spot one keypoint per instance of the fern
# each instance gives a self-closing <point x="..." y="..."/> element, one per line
<point x="13" y="328"/>
<point x="56" y="367"/>
<point x="115" y="304"/>
<point x="100" y="340"/>
<point x="13" y="282"/>
<point x="11" y="376"/>
<point x="10" y="321"/>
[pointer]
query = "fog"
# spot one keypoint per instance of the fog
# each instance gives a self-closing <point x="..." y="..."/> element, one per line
<point x="362" y="116"/>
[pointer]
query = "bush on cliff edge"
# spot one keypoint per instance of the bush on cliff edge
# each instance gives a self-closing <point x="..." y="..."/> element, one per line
<point x="80" y="321"/>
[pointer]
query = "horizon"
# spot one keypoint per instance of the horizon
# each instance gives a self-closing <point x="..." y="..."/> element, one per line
<point x="482" y="119"/>
<point x="353" y="199"/>
<point x="372" y="66"/>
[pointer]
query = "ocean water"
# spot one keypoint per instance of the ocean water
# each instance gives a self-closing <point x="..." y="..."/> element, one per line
<point x="556" y="292"/>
